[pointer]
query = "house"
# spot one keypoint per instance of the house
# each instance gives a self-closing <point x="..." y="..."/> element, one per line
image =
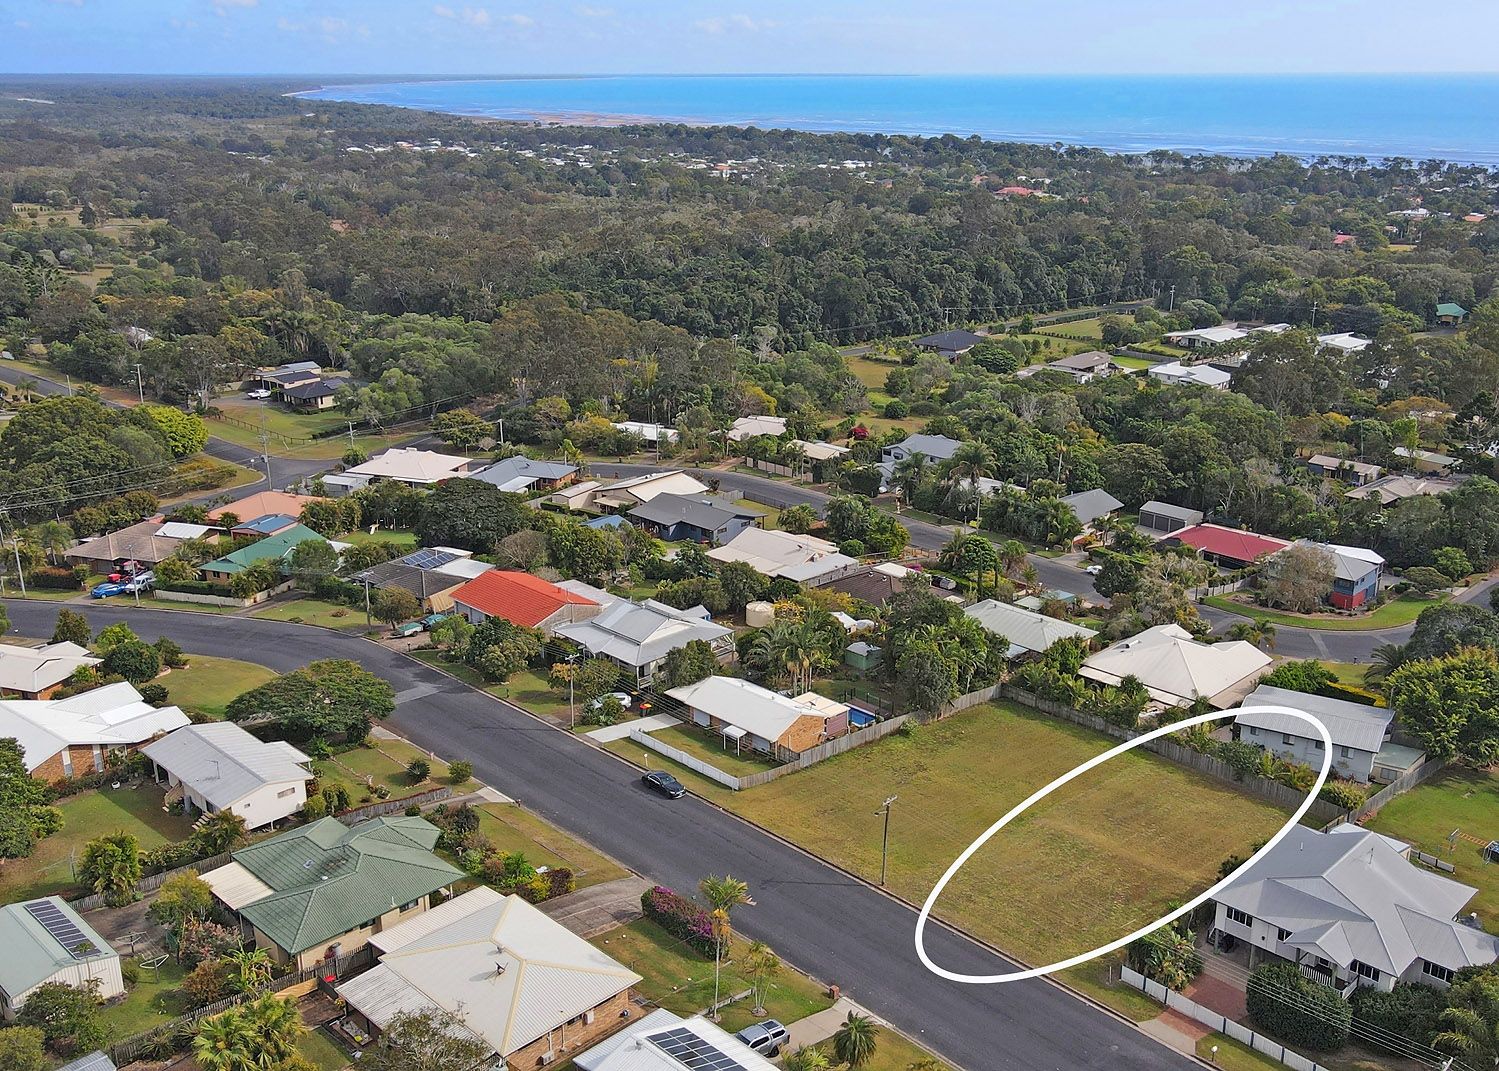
<point x="276" y="548"/>
<point x="638" y="636"/>
<point x="521" y="599"/>
<point x="217" y="766"/>
<point x="627" y="493"/>
<point x="404" y="464"/>
<point x="433" y="589"/>
<point x="1231" y="548"/>
<point x="322" y="890"/>
<point x="1089" y="506"/>
<point x="261" y="504"/>
<point x="267" y="524"/>
<point x="693" y="518"/>
<point x="1343" y="342"/>
<point x="935" y="448"/>
<point x="1165" y="517"/>
<point x="523" y="475"/>
<point x="1085" y="367"/>
<point x="576" y="497"/>
<point x="817" y="452"/>
<point x="37" y="672"/>
<point x="94" y="1061"/>
<point x="526" y="987"/>
<point x="142" y="542"/>
<point x="1176" y="669"/>
<point x="283" y="376"/>
<point x="1394" y="488"/>
<point x="760" y="719"/>
<point x="1204" y="337"/>
<point x="872" y="584"/>
<point x="802" y="558"/>
<point x="663" y="1041"/>
<point x="1356" y="573"/>
<point x="47" y="941"/>
<point x="950" y="344"/>
<point x="1427" y="460"/>
<point x="748" y="427"/>
<point x="315" y="396"/>
<point x="1195" y="375"/>
<point x="1450" y="314"/>
<point x="1357" y="473"/>
<point x="1027" y="631"/>
<point x="1358" y="731"/>
<point x="65" y="738"/>
<point x="1351" y="909"/>
<point x="655" y="434"/>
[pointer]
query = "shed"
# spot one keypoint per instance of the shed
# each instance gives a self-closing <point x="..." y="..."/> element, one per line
<point x="47" y="941"/>
<point x="1165" y="517"/>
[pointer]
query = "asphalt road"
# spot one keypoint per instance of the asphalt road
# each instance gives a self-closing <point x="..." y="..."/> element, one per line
<point x="823" y="921"/>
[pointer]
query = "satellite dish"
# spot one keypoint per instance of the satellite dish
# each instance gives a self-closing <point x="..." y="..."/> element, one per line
<point x="487" y="443"/>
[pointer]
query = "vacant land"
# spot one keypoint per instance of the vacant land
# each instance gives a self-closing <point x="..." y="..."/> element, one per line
<point x="404" y="536"/>
<point x="316" y="612"/>
<point x="209" y="684"/>
<point x="1456" y="799"/>
<point x="1396" y="612"/>
<point x="382" y="763"/>
<point x="1091" y="328"/>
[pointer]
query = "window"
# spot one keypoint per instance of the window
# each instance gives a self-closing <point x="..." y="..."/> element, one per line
<point x="1287" y="738"/>
<point x="1254" y="730"/>
<point x="1235" y="915"/>
<point x="1282" y="935"/>
<point x="1437" y="971"/>
<point x="285" y="792"/>
<point x="1363" y="970"/>
<point x="1343" y="752"/>
<point x="410" y="904"/>
<point x="1319" y="744"/>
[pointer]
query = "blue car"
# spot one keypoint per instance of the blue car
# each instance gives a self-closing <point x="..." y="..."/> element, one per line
<point x="104" y="591"/>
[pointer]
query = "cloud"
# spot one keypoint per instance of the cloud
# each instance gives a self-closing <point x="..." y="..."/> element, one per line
<point x="221" y="8"/>
<point x="589" y="12"/>
<point x="480" y="18"/>
<point x="331" y="30"/>
<point x="737" y="23"/>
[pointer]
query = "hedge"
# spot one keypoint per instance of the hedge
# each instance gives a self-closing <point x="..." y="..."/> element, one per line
<point x="679" y="917"/>
<point x="1298" y="1011"/>
<point x="53" y="579"/>
<point x="196" y="587"/>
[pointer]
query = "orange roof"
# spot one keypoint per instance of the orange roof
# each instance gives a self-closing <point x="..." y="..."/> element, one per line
<point x="262" y="503"/>
<point x="520" y="598"/>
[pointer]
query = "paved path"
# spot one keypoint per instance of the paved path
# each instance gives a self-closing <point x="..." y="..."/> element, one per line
<point x="821" y="920"/>
<point x="605" y="733"/>
<point x="819" y="1026"/>
<point x="592" y="911"/>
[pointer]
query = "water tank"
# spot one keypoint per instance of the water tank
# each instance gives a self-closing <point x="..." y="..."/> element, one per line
<point x="759" y="614"/>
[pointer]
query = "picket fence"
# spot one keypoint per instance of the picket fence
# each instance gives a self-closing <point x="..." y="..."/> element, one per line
<point x="1220" y="1023"/>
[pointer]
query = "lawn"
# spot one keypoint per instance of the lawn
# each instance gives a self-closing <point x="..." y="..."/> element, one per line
<point x="1234" y="1055"/>
<point x="1393" y="614"/>
<point x="1095" y="860"/>
<point x="86" y="816"/>
<point x="1050" y="347"/>
<point x="316" y="612"/>
<point x="1457" y="798"/>
<point x="208" y="684"/>
<point x="892" y="1052"/>
<point x="1135" y="363"/>
<point x="512" y="828"/>
<point x="404" y="536"/>
<point x="710" y="748"/>
<point x="870" y="372"/>
<point x="1091" y="328"/>
<point x="384" y="762"/>
<point x="154" y="1000"/>
<point x="321" y="1051"/>
<point x="680" y="980"/>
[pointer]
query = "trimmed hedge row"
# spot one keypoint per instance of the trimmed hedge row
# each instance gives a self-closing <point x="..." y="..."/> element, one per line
<point x="1298" y="1011"/>
<point x="679" y="917"/>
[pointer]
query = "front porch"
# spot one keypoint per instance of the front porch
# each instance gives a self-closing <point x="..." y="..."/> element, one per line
<point x="1235" y="964"/>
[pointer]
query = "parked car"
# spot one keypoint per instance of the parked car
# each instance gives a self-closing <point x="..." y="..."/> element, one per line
<point x="108" y="588"/>
<point x="1093" y="570"/>
<point x="140" y="582"/>
<point x="766" y="1037"/>
<point x="623" y="697"/>
<point x="664" y="783"/>
<point x="258" y="394"/>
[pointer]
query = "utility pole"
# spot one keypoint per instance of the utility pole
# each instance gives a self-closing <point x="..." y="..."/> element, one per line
<point x="15" y="545"/>
<point x="369" y="621"/>
<point x="264" y="438"/>
<point x="140" y="384"/>
<point x="1171" y="304"/>
<point x="572" y="711"/>
<point x="351" y="433"/>
<point x="1314" y="316"/>
<point x="885" y="844"/>
<point x="501" y="423"/>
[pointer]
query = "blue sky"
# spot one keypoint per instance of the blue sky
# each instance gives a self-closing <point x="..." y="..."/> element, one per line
<point x="736" y="36"/>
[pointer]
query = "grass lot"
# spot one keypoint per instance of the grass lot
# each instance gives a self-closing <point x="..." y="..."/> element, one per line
<point x="1234" y="1055"/>
<point x="514" y="829"/>
<point x="384" y="762"/>
<point x="710" y="749"/>
<point x="870" y="372"/>
<point x="892" y="1052"/>
<point x="1137" y="363"/>
<point x="1092" y="328"/>
<point x="88" y="815"/>
<point x="158" y="603"/>
<point x="288" y="443"/>
<point x="530" y="689"/>
<point x="208" y="684"/>
<point x="680" y="980"/>
<point x="1051" y="347"/>
<point x="404" y="536"/>
<point x="321" y="1051"/>
<point x="1457" y="798"/>
<point x="316" y="612"/>
<point x="154" y="1000"/>
<point x="1396" y="612"/>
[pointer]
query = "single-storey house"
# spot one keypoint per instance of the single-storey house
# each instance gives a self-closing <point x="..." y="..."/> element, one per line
<point x="1205" y="337"/>
<point x="217" y="766"/>
<point x="1450" y="313"/>
<point x="760" y="719"/>
<point x="283" y="376"/>
<point x="321" y="891"/>
<point x="262" y="503"/>
<point x="638" y="636"/>
<point x="1357" y="473"/>
<point x="1193" y="375"/>
<point x="1427" y="460"/>
<point x="664" y="1041"/>
<point x="650" y="432"/>
<point x="404" y="464"/>
<point x="628" y="493"/>
<point x="1176" y="669"/>
<point x="524" y="475"/>
<point x="528" y="989"/>
<point x="1343" y="342"/>
<point x="37" y="672"/>
<point x="521" y="599"/>
<point x="142" y="542"/>
<point x="1027" y="631"/>
<point x="820" y="451"/>
<point x="749" y="427"/>
<point x="950" y="344"/>
<point x="802" y="558"/>
<point x="693" y="518"/>
<point x="1090" y="506"/>
<point x="267" y="524"/>
<point x="1165" y="517"/>
<point x="186" y="530"/>
<point x="1359" y="732"/>
<point x="935" y="448"/>
<point x="47" y="941"/>
<point x="1350" y="908"/>
<point x="872" y="584"/>
<point x="1232" y="548"/>
<point x="94" y="1061"/>
<point x="276" y="548"/>
<point x="1085" y="367"/>
<point x="65" y="738"/>
<point x="314" y="396"/>
<point x="1394" y="488"/>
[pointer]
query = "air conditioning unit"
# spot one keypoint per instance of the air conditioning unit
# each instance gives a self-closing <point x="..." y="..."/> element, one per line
<point x="547" y="1057"/>
<point x="588" y="1017"/>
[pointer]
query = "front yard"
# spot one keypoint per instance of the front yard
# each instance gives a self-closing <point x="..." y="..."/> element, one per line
<point x="512" y="828"/>
<point x="383" y="764"/>
<point x="713" y="749"/>
<point x="316" y="612"/>
<point x="1393" y="614"/>
<point x="209" y="684"/>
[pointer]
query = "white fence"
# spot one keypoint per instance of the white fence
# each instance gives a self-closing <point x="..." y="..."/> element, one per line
<point x="1222" y="1024"/>
<point x="693" y="763"/>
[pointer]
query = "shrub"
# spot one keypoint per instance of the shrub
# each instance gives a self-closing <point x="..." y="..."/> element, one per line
<point x="1410" y="1009"/>
<point x="130" y="971"/>
<point x="170" y="653"/>
<point x="316" y="807"/>
<point x="680" y="917"/>
<point x="418" y="770"/>
<point x="413" y="811"/>
<point x="206" y="983"/>
<point x="1297" y="1010"/>
<point x="155" y="694"/>
<point x="1344" y="794"/>
<point x="895" y="409"/>
<point x="460" y="771"/>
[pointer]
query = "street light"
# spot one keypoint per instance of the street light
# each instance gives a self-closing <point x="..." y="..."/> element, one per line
<point x="885" y="844"/>
<point x="572" y="711"/>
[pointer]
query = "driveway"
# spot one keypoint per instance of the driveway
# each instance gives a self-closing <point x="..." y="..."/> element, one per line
<point x="592" y="911"/>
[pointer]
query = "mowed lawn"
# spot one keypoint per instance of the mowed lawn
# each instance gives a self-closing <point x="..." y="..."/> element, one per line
<point x="515" y="829"/>
<point x="1094" y="861"/>
<point x="1461" y="799"/>
<point x="208" y="684"/>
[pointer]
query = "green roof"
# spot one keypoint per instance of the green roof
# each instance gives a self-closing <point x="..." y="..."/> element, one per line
<point x="32" y="955"/>
<point x="277" y="546"/>
<point x="1451" y="308"/>
<point x="329" y="878"/>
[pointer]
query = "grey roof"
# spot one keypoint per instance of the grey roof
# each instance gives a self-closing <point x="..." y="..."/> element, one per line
<point x="223" y="763"/>
<point x="423" y="583"/>
<point x="32" y="955"/>
<point x="709" y="514"/>
<point x="1352" y="725"/>
<point x="1166" y="509"/>
<point x="1082" y="362"/>
<point x="1353" y="895"/>
<point x="320" y="388"/>
<point x="932" y="447"/>
<point x="951" y="341"/>
<point x="94" y="1061"/>
<point x="638" y="635"/>
<point x="1091" y="505"/>
<point x="1025" y="629"/>
<point x="524" y="468"/>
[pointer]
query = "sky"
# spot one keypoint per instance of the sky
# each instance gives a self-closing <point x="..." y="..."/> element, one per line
<point x="494" y="37"/>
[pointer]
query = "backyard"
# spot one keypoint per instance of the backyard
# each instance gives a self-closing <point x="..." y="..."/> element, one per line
<point x="153" y="1000"/>
<point x="208" y="684"/>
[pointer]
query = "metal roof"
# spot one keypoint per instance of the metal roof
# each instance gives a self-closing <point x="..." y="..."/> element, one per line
<point x="951" y="341"/>
<point x="224" y="764"/>
<point x="1173" y="666"/>
<point x="94" y="1061"/>
<point x="35" y="669"/>
<point x="503" y="473"/>
<point x="931" y="447"/>
<point x="708" y="514"/>
<point x="112" y="716"/>
<point x="1025" y="629"/>
<point x="276" y="547"/>
<point x="638" y="634"/>
<point x="32" y="954"/>
<point x="783" y="554"/>
<point x="1167" y="509"/>
<point x="1091" y="505"/>
<point x="1352" y="725"/>
<point x="756" y="710"/>
<point x="664" y="1042"/>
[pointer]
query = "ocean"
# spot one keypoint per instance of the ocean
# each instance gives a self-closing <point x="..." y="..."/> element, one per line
<point x="1452" y="117"/>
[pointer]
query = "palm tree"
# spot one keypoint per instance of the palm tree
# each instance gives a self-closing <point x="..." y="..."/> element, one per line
<point x="971" y="462"/>
<point x="791" y="651"/>
<point x="907" y="475"/>
<point x="761" y="965"/>
<point x="855" y="1041"/>
<point x="226" y="1042"/>
<point x="1012" y="555"/>
<point x="278" y="1025"/>
<point x="1254" y="631"/>
<point x="980" y="556"/>
<point x="1471" y="1035"/>
<point x="53" y="537"/>
<point x="807" y="1058"/>
<point x="723" y="895"/>
<point x="252" y="968"/>
<point x="1386" y="659"/>
<point x="220" y="831"/>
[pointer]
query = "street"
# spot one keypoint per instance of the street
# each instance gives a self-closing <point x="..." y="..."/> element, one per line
<point x="820" y="919"/>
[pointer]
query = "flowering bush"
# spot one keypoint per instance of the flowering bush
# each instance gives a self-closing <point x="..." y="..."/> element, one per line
<point x="679" y="917"/>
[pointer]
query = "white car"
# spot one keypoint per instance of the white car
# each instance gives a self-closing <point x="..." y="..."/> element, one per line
<point x="1093" y="570"/>
<point x="257" y="394"/>
<point x="623" y="697"/>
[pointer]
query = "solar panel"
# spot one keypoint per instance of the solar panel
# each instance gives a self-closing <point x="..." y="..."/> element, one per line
<point x="693" y="1052"/>
<point x="428" y="558"/>
<point x="63" y="929"/>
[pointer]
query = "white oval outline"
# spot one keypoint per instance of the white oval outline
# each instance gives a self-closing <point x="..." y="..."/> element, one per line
<point x="1097" y="760"/>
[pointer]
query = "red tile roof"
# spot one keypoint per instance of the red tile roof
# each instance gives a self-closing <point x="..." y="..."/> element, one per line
<point x="1229" y="542"/>
<point x="519" y="598"/>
